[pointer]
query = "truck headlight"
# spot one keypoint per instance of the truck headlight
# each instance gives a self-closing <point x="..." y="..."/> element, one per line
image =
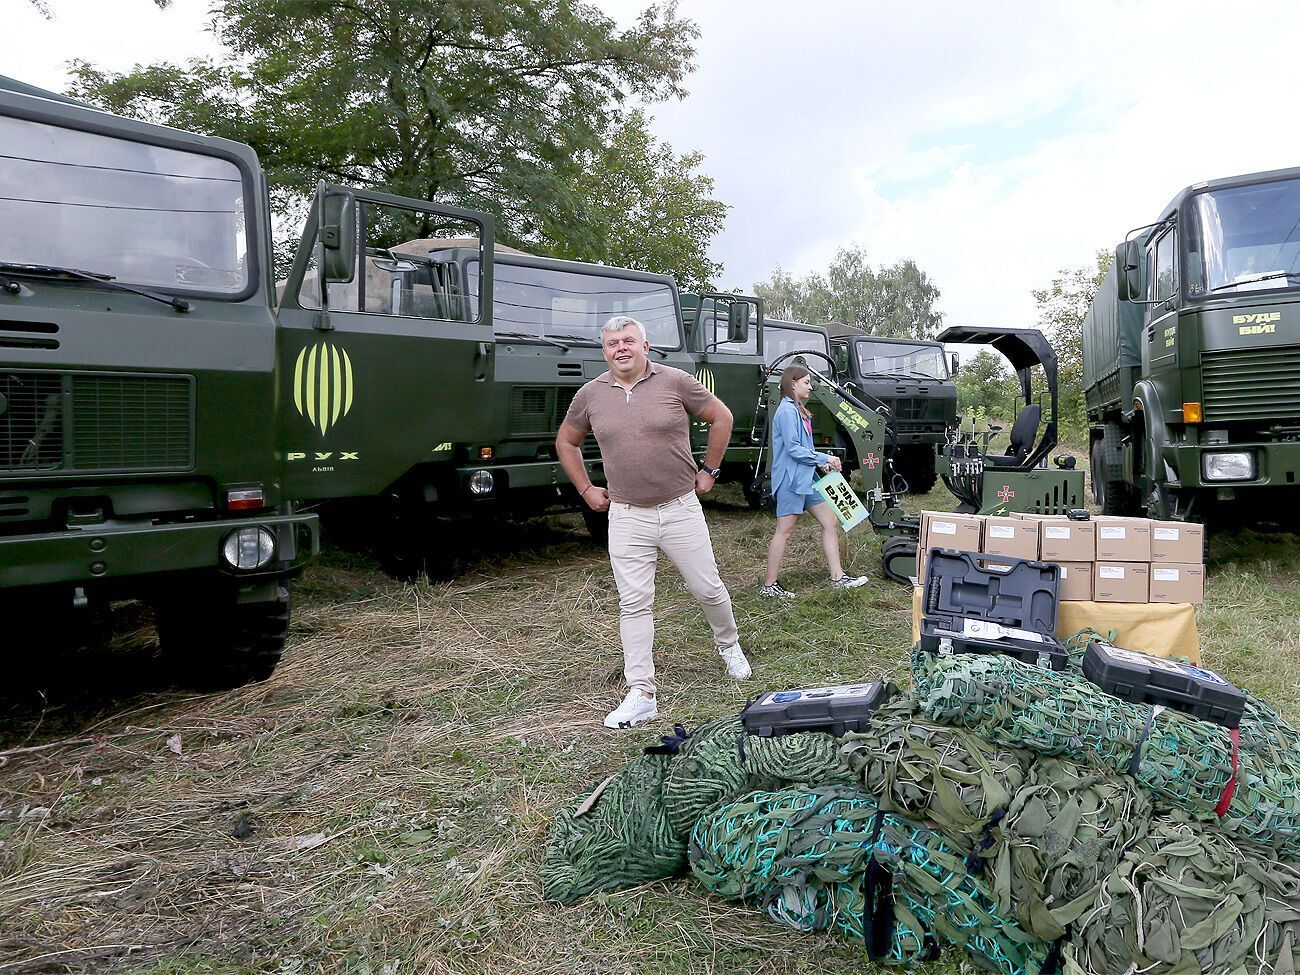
<point x="1235" y="466"/>
<point x="248" y="548"/>
<point x="481" y="483"/>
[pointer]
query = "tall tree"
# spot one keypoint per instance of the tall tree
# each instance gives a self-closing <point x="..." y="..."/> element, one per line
<point x="985" y="383"/>
<point x="1062" y="306"/>
<point x="643" y="206"/>
<point x="895" y="301"/>
<point x="489" y="104"/>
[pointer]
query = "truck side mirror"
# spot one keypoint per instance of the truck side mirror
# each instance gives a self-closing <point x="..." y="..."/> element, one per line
<point x="338" y="237"/>
<point x="1128" y="268"/>
<point x="738" y="322"/>
<point x="954" y="363"/>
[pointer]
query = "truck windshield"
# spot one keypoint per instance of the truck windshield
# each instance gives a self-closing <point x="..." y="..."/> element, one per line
<point x="900" y="359"/>
<point x="575" y="304"/>
<point x="779" y="341"/>
<point x="145" y="214"/>
<point x="1244" y="238"/>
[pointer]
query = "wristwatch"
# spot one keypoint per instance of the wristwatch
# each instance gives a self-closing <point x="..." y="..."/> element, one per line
<point x="713" y="472"/>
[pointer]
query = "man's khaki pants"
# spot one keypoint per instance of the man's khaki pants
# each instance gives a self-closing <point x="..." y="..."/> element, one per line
<point x="636" y="537"/>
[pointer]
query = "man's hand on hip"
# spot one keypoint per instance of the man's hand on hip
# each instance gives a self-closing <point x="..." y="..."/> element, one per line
<point x="703" y="482"/>
<point x="597" y="498"/>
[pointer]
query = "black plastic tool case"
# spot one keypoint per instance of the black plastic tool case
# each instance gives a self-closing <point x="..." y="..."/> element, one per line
<point x="1136" y="677"/>
<point x="1015" y="593"/>
<point x="847" y="707"/>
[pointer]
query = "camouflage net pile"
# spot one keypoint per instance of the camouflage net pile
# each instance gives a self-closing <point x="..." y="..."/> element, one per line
<point x="830" y="858"/>
<point x="634" y="827"/>
<point x="1187" y="899"/>
<point x="1021" y="815"/>
<point x="1186" y="763"/>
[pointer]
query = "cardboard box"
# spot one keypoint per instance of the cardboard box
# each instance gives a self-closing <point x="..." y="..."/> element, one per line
<point x="1177" y="541"/>
<point x="1123" y="539"/>
<point x="1063" y="540"/>
<point x="1121" y="582"/>
<point x="1010" y="536"/>
<point x="1076" y="580"/>
<point x="962" y="533"/>
<point x="1177" y="582"/>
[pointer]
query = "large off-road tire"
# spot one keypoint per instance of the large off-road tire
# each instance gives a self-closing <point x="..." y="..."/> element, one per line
<point x="898" y="558"/>
<point x="915" y="463"/>
<point x="597" y="523"/>
<point x="415" y="545"/>
<point x="1109" y="489"/>
<point x="210" y="641"/>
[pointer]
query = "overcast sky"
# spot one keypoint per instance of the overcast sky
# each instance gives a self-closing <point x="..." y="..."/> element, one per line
<point x="993" y="143"/>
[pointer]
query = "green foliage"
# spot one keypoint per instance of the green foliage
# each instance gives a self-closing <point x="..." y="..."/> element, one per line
<point x="986" y="388"/>
<point x="896" y="301"/>
<point x="495" y="105"/>
<point x="1061" y="310"/>
<point x="643" y="206"/>
<point x="43" y="7"/>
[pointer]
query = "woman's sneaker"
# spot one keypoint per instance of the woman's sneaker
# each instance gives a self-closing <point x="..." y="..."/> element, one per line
<point x="849" y="582"/>
<point x="776" y="591"/>
<point x="636" y="707"/>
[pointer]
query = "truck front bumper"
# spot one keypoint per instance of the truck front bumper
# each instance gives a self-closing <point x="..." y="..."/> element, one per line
<point x="1277" y="464"/>
<point x="120" y="550"/>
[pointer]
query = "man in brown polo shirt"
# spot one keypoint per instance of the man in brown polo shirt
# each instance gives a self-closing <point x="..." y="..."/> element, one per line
<point x="640" y="413"/>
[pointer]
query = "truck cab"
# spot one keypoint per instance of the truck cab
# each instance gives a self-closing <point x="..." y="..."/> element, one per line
<point x="913" y="379"/>
<point x="138" y="384"/>
<point x="1193" y="355"/>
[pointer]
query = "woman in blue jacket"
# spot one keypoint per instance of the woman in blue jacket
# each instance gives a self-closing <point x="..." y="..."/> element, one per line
<point x="793" y="463"/>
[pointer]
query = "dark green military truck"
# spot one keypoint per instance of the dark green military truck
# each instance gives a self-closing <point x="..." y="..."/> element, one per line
<point x="912" y="378"/>
<point x="139" y="385"/>
<point x="1192" y="357"/>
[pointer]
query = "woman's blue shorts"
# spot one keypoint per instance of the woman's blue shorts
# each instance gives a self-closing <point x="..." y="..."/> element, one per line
<point x="789" y="502"/>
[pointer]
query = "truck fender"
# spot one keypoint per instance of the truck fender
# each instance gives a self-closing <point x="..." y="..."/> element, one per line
<point x="1148" y="416"/>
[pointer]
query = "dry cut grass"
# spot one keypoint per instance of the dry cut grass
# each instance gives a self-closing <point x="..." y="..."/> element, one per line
<point x="380" y="805"/>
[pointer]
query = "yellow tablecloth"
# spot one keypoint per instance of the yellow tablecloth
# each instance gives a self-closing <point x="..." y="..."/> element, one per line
<point x="1160" y="629"/>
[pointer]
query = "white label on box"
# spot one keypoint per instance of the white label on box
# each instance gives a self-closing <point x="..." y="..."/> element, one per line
<point x="1157" y="663"/>
<point x="1002" y="531"/>
<point x="1110" y="571"/>
<point x="943" y="528"/>
<point x="1167" y="534"/>
<point x="1065" y="573"/>
<point x="1166" y="575"/>
<point x="1112" y="531"/>
<point x="1057" y="531"/>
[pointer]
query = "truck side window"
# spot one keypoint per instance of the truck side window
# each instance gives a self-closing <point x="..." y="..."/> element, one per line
<point x="841" y="359"/>
<point x="1162" y="271"/>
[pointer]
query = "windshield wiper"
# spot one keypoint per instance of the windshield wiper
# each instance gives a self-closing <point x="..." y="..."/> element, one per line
<point x="584" y="339"/>
<point x="55" y="272"/>
<point x="530" y="336"/>
<point x="1261" y="277"/>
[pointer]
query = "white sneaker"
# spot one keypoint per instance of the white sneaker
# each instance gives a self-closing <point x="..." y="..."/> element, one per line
<point x="734" y="657"/>
<point x="849" y="582"/>
<point x="636" y="707"/>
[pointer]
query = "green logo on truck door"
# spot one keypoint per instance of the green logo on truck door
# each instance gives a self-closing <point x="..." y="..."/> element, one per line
<point x="322" y="385"/>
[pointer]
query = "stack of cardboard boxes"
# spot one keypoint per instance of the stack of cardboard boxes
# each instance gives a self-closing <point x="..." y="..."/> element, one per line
<point x="1107" y="559"/>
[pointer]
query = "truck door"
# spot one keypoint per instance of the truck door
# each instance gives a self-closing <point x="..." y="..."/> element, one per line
<point x="732" y="371"/>
<point x="390" y="365"/>
<point x="1162" y="315"/>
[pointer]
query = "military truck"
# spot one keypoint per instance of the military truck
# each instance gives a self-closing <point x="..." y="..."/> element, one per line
<point x="912" y="378"/>
<point x="139" y="387"/>
<point x="1192" y="357"/>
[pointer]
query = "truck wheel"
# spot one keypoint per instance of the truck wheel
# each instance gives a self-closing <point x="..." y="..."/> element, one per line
<point x="597" y="523"/>
<point x="916" y="463"/>
<point x="213" y="642"/>
<point x="1112" y="493"/>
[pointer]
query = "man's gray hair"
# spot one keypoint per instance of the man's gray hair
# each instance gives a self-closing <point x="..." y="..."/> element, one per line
<point x="620" y="322"/>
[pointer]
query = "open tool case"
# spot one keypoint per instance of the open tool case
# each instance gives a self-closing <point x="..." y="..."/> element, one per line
<point x="1136" y="677"/>
<point x="976" y="603"/>
<point x="837" y="710"/>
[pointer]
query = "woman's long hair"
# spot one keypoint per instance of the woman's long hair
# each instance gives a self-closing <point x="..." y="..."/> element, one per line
<point x="789" y="376"/>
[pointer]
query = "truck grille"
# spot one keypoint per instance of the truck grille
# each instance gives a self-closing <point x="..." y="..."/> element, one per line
<point x="539" y="409"/>
<point x="95" y="422"/>
<point x="909" y="408"/>
<point x="1251" y="384"/>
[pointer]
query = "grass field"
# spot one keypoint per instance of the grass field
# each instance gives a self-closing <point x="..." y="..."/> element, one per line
<point x="380" y="805"/>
